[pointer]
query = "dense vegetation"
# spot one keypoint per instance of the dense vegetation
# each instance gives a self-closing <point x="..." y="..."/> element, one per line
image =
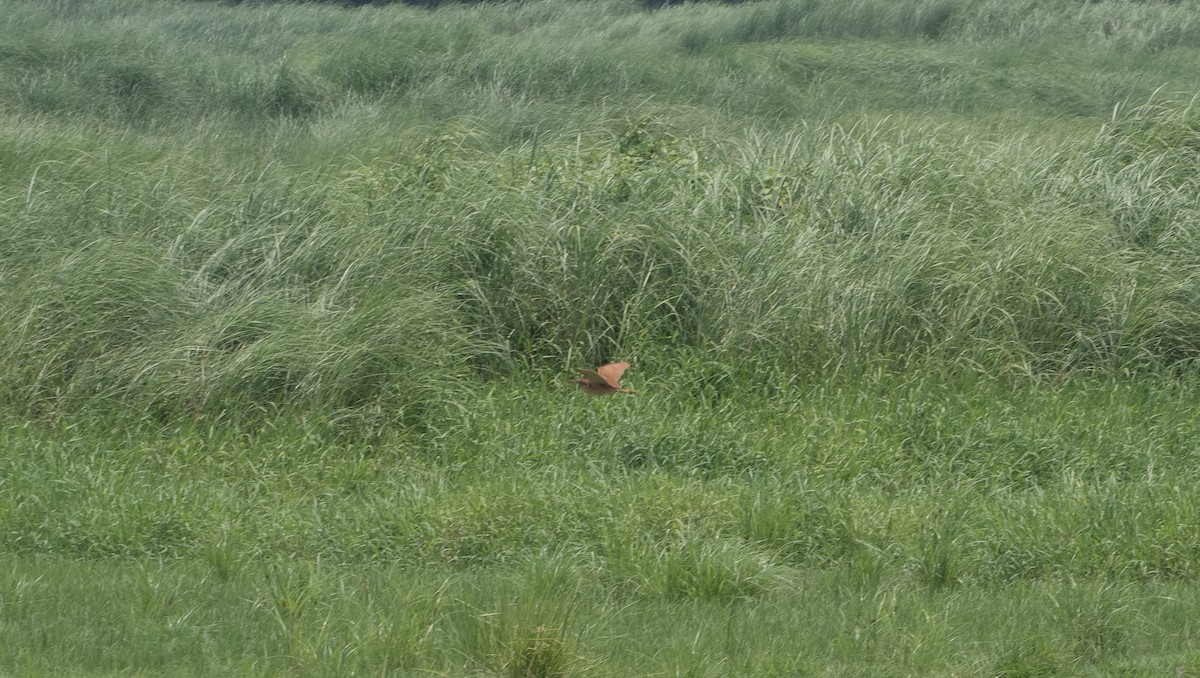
<point x="288" y="294"/>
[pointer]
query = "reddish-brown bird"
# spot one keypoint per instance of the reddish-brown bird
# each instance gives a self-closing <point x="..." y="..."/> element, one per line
<point x="604" y="380"/>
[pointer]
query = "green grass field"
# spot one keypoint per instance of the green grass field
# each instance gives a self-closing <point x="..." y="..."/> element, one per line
<point x="291" y="294"/>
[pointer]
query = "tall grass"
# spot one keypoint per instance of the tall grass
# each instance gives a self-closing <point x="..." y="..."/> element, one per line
<point x="288" y="292"/>
<point x="171" y="281"/>
<point x="166" y="63"/>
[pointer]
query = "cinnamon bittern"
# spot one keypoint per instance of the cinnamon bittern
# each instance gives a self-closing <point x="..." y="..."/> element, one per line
<point x="604" y="380"/>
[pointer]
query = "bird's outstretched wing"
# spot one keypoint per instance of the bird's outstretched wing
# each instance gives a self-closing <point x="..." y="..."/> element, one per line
<point x="593" y="376"/>
<point x="611" y="373"/>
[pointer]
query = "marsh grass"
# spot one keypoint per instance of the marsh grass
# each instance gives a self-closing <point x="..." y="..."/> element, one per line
<point x="384" y="618"/>
<point x="289" y="294"/>
<point x="803" y="252"/>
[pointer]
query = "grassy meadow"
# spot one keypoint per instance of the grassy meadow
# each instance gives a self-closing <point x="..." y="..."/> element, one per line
<point x="290" y="296"/>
